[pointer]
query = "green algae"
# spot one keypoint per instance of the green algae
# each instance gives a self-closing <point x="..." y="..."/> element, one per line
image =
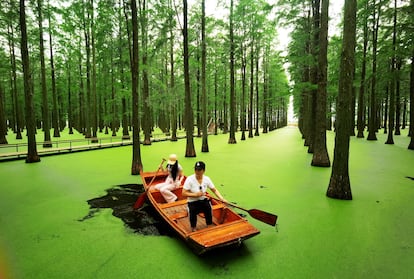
<point x="317" y="237"/>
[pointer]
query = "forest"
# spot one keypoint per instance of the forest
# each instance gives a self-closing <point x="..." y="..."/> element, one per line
<point x="81" y="56"/>
<point x="130" y="67"/>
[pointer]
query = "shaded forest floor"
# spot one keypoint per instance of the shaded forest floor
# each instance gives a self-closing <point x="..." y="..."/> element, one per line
<point x="45" y="231"/>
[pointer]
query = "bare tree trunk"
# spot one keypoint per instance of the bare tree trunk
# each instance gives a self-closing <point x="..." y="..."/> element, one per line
<point x="94" y="99"/>
<point x="32" y="155"/>
<point x="411" y="132"/>
<point x="397" y="98"/>
<point x="339" y="184"/>
<point x="314" y="74"/>
<point x="233" y="123"/>
<point x="3" y="127"/>
<point x="172" y="81"/>
<point x="251" y="88"/>
<point x="45" y="104"/>
<point x="87" y="99"/>
<point x="372" y="118"/>
<point x="125" y="131"/>
<point x="146" y="115"/>
<point x="362" y="87"/>
<point x="391" y="120"/>
<point x="17" y="127"/>
<point x="136" y="148"/>
<point x="189" y="117"/>
<point x="320" y="153"/>
<point x="55" y="113"/>
<point x="256" y="132"/>
<point x="265" y="104"/>
<point x="204" y="146"/>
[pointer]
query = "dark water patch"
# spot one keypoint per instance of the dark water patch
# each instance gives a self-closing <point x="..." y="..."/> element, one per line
<point x="121" y="199"/>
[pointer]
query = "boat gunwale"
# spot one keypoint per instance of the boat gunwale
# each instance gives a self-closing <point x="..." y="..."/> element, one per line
<point x="198" y="247"/>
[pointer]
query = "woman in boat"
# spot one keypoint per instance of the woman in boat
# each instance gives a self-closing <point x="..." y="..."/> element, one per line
<point x="195" y="188"/>
<point x="173" y="180"/>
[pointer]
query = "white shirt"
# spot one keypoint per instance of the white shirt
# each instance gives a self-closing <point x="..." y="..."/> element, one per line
<point x="191" y="184"/>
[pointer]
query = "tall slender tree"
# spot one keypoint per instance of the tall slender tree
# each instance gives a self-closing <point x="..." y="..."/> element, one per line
<point x="372" y="118"/>
<point x="55" y="113"/>
<point x="45" y="103"/>
<point x="189" y="118"/>
<point x="391" y="119"/>
<point x="94" y="98"/>
<point x="204" y="146"/>
<point x="32" y="155"/>
<point x="320" y="153"/>
<point x="3" y="126"/>
<point x="339" y="184"/>
<point x="362" y="86"/>
<point x="233" y="123"/>
<point x="411" y="132"/>
<point x="136" y="148"/>
<point x="17" y="115"/>
<point x="146" y="116"/>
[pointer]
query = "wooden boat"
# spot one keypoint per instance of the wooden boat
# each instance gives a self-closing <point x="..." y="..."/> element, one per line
<point x="228" y="228"/>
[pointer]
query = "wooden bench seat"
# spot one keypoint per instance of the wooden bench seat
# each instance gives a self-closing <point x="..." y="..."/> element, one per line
<point x="172" y="204"/>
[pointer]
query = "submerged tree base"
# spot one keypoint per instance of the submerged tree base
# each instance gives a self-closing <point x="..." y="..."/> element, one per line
<point x="321" y="160"/>
<point x="339" y="187"/>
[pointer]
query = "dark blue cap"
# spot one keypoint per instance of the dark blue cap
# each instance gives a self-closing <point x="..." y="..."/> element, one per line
<point x="200" y="166"/>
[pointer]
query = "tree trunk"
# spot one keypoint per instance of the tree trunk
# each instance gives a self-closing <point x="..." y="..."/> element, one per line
<point x="362" y="87"/>
<point x="45" y="104"/>
<point x="88" y="99"/>
<point x="339" y="184"/>
<point x="204" y="146"/>
<point x="70" y="106"/>
<point x="189" y="117"/>
<point x="136" y="149"/>
<point x="251" y="105"/>
<point x="173" y="119"/>
<point x="314" y="75"/>
<point x="411" y="132"/>
<point x="233" y="123"/>
<point x="391" y="121"/>
<point x="32" y="155"/>
<point x="320" y="153"/>
<point x="257" y="109"/>
<point x="265" y="91"/>
<point x="94" y="99"/>
<point x="397" y="98"/>
<point x="3" y="127"/>
<point x="372" y="118"/>
<point x="125" y="131"/>
<point x="243" y="104"/>
<point x="55" y="114"/>
<point x="146" y="115"/>
<point x="17" y="127"/>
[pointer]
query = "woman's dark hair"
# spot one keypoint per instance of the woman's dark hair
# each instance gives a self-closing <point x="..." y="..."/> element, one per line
<point x="174" y="170"/>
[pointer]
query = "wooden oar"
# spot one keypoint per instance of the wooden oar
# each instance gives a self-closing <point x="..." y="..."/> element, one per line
<point x="141" y="199"/>
<point x="260" y="215"/>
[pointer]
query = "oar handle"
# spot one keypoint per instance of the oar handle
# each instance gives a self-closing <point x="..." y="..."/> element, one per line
<point x="155" y="175"/>
<point x="228" y="203"/>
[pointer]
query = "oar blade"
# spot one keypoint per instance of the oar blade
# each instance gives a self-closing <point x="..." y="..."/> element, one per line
<point x="263" y="216"/>
<point x="140" y="201"/>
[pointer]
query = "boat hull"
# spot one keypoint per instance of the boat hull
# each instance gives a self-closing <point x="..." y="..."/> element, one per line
<point x="228" y="227"/>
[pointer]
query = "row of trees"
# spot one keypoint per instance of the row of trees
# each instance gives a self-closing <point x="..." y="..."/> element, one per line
<point x="369" y="85"/>
<point x="104" y="65"/>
